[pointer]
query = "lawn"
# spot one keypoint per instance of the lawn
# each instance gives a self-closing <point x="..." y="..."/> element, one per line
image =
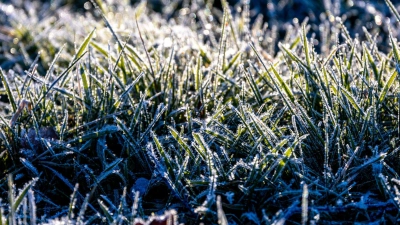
<point x="239" y="112"/>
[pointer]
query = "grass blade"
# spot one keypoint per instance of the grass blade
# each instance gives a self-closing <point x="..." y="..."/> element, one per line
<point x="393" y="10"/>
<point x="387" y="86"/>
<point x="180" y="141"/>
<point x="83" y="46"/>
<point x="8" y="90"/>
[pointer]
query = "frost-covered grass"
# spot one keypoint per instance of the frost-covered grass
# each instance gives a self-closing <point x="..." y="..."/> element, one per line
<point x="118" y="113"/>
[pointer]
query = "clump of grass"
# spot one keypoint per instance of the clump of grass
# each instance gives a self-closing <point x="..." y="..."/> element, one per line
<point x="198" y="114"/>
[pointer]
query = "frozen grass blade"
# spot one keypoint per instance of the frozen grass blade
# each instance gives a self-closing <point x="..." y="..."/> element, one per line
<point x="232" y="62"/>
<point x="202" y="149"/>
<point x="165" y="156"/>
<point x="17" y="201"/>
<point x="283" y="162"/>
<point x="72" y="203"/>
<point x="292" y="55"/>
<point x="52" y="85"/>
<point x="102" y="51"/>
<point x="108" y="129"/>
<point x="305" y="45"/>
<point x="127" y="90"/>
<point x="157" y="117"/>
<point x="83" y="46"/>
<point x="106" y="212"/>
<point x="393" y="10"/>
<point x="387" y="86"/>
<point x="107" y="171"/>
<point x="180" y="141"/>
<point x="221" y="215"/>
<point x="352" y="101"/>
<point x="144" y="47"/>
<point x="373" y="65"/>
<point x="282" y="83"/>
<point x="29" y="166"/>
<point x="395" y="47"/>
<point x="304" y="205"/>
<point x="8" y="90"/>
<point x="253" y="86"/>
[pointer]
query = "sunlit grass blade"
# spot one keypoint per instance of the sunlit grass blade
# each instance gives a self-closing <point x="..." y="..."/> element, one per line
<point x="395" y="47"/>
<point x="165" y="156"/>
<point x="352" y="101"/>
<point x="282" y="83"/>
<point x="180" y="141"/>
<point x="305" y="45"/>
<point x="373" y="65"/>
<point x="156" y="118"/>
<point x="393" y="10"/>
<point x="277" y="86"/>
<point x="387" y="86"/>
<point x="83" y="46"/>
<point x="202" y="146"/>
<point x="292" y="55"/>
<point x="232" y="62"/>
<point x="253" y="86"/>
<point x="62" y="75"/>
<point x="283" y="162"/>
<point x="102" y="51"/>
<point x="224" y="139"/>
<point x="127" y="90"/>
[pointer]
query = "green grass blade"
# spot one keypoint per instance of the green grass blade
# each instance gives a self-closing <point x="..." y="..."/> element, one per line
<point x="22" y="195"/>
<point x="387" y="86"/>
<point x="198" y="75"/>
<point x="102" y="50"/>
<point x="84" y="44"/>
<point x="165" y="156"/>
<point x="232" y="62"/>
<point x="123" y="94"/>
<point x="305" y="45"/>
<point x="106" y="212"/>
<point x="393" y="10"/>
<point x="373" y="65"/>
<point x="352" y="101"/>
<point x="282" y="83"/>
<point x="86" y="88"/>
<point x="180" y="141"/>
<point x="224" y="139"/>
<point x="157" y="117"/>
<point x="62" y="75"/>
<point x="253" y="86"/>
<point x="292" y="55"/>
<point x="200" y="142"/>
<point x="282" y="163"/>
<point x="395" y="47"/>
<point x="107" y="171"/>
<point x="108" y="129"/>
<point x="277" y="86"/>
<point x="8" y="90"/>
